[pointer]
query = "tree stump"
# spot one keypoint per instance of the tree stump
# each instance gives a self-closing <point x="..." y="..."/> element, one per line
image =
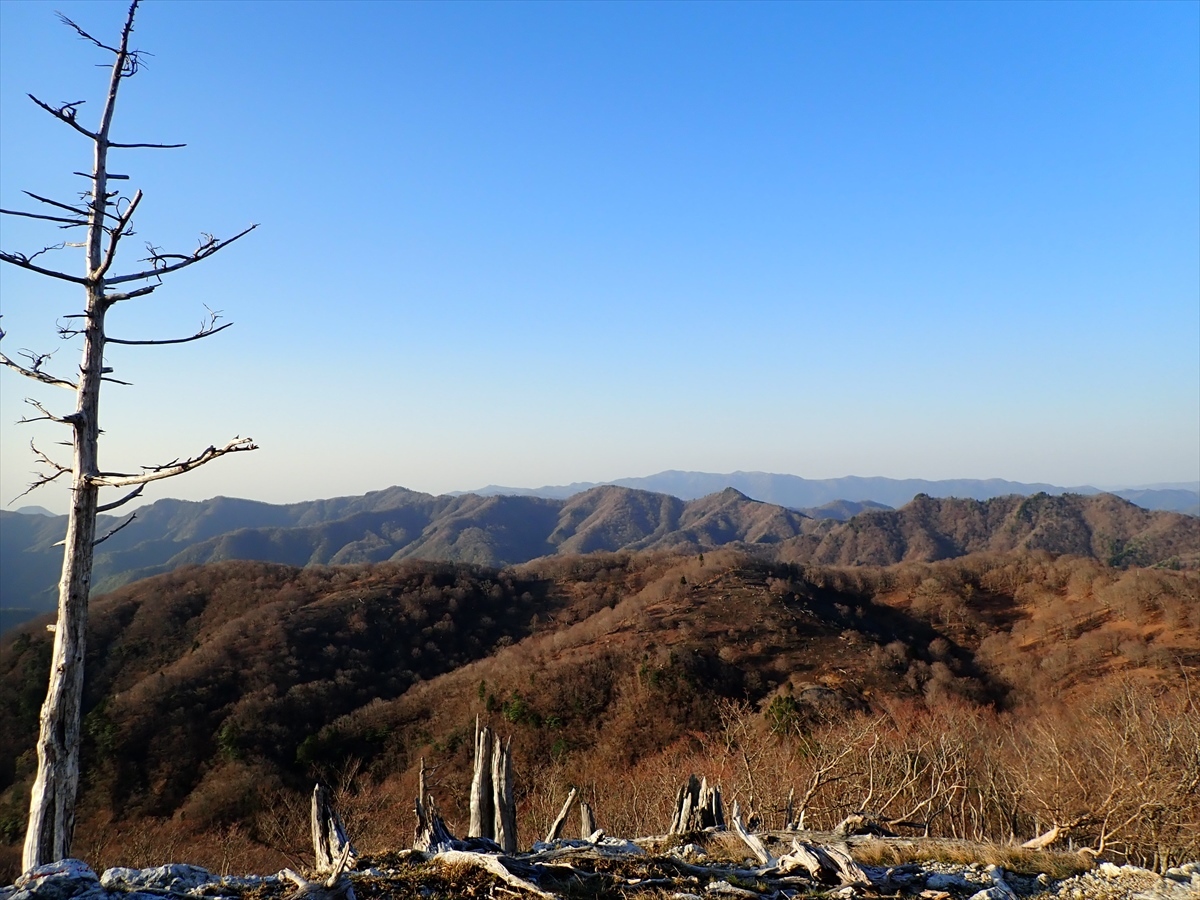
<point x="330" y="843"/>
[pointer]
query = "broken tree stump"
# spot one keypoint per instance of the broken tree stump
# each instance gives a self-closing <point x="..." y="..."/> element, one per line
<point x="482" y="790"/>
<point x="697" y="807"/>
<point x="330" y="843"/>
<point x="587" y="820"/>
<point x="431" y="832"/>
<point x="503" y="800"/>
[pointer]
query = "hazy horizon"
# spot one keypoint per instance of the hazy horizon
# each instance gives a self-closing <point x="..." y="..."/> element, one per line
<point x="530" y="245"/>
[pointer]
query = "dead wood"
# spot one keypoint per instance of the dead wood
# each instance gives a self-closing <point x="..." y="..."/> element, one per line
<point x="697" y="807"/>
<point x="493" y="866"/>
<point x="336" y="887"/>
<point x="556" y="827"/>
<point x="330" y="843"/>
<point x="828" y="865"/>
<point x="504" y="801"/>
<point x="482" y="791"/>
<point x="431" y="833"/>
<point x="587" y="821"/>
<point x="757" y="847"/>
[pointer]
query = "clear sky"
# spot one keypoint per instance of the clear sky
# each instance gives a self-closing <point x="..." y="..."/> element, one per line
<point x="548" y="242"/>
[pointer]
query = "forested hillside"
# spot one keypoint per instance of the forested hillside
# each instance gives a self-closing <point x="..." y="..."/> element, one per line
<point x="397" y="524"/>
<point x="217" y="693"/>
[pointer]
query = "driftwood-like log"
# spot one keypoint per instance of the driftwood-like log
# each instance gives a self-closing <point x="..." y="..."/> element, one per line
<point x="482" y="791"/>
<point x="828" y="865"/>
<point x="1044" y="840"/>
<point x="336" y="887"/>
<point x="330" y="843"/>
<point x="493" y="866"/>
<point x="757" y="847"/>
<point x="503" y="801"/>
<point x="860" y="823"/>
<point x="587" y="821"/>
<point x="556" y="827"/>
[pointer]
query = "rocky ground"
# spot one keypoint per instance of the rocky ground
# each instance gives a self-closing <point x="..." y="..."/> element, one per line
<point x="573" y="871"/>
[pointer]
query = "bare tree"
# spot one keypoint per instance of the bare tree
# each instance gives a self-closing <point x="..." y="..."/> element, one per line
<point x="106" y="217"/>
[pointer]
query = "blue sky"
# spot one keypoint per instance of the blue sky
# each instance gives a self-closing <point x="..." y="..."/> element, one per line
<point x="540" y="243"/>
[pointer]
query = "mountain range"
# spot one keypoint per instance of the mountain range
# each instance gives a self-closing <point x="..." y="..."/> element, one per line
<point x="801" y="493"/>
<point x="397" y="524"/>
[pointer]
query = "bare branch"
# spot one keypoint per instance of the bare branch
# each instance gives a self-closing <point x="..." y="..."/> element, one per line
<point x="136" y="492"/>
<point x="70" y="223"/>
<point x="20" y="259"/>
<point x="207" y="248"/>
<point x="42" y="459"/>
<point x="207" y="329"/>
<point x="140" y="292"/>
<point x="66" y="206"/>
<point x="146" y="146"/>
<point x="34" y="370"/>
<point x="65" y="113"/>
<point x="46" y="415"/>
<point x="124" y="524"/>
<point x="116" y="233"/>
<point x="83" y="34"/>
<point x="171" y="469"/>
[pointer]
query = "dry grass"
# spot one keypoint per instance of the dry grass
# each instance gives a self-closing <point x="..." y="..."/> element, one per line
<point x="1057" y="865"/>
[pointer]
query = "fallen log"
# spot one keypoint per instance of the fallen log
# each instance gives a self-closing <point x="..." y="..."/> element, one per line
<point x="757" y="847"/>
<point x="828" y="865"/>
<point x="493" y="866"/>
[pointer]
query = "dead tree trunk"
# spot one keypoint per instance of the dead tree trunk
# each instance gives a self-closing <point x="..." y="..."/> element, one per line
<point x="556" y="827"/>
<point x="504" y="802"/>
<point x="587" y="820"/>
<point x="331" y="847"/>
<point x="697" y="806"/>
<point x="106" y="216"/>
<point x="431" y="832"/>
<point x="482" y="790"/>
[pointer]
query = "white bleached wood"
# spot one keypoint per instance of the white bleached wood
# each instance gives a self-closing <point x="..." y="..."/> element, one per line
<point x="52" y="800"/>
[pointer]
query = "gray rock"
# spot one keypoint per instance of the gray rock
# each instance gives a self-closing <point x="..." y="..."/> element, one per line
<point x="67" y="878"/>
<point x="176" y="879"/>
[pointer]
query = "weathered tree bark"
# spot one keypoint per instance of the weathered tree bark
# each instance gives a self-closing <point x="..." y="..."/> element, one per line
<point x="556" y="827"/>
<point x="482" y="790"/>
<point x="587" y="820"/>
<point x="336" y="887"/>
<point x="1044" y="840"/>
<point x="828" y="865"/>
<point x="493" y="866"/>
<point x="431" y="833"/>
<point x="504" y="802"/>
<point x="697" y="806"/>
<point x="107" y="218"/>
<point x="331" y="847"/>
<point x="757" y="847"/>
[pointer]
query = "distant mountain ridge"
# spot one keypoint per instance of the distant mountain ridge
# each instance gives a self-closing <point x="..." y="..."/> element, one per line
<point x="398" y="524"/>
<point x="806" y="493"/>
